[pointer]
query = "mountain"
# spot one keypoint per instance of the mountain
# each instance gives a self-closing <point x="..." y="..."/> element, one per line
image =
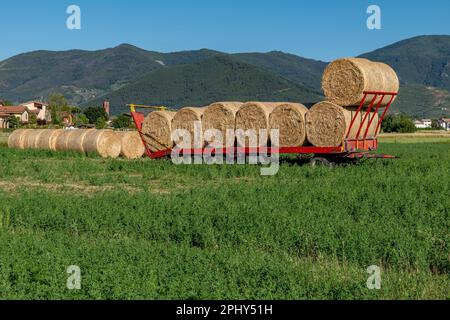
<point x="421" y="60"/>
<point x="306" y="72"/>
<point x="421" y="101"/>
<point x="80" y="75"/>
<point x="130" y="74"/>
<point x="423" y="66"/>
<point x="201" y="83"/>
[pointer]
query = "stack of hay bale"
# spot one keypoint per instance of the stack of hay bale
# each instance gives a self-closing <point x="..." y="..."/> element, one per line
<point x="326" y="124"/>
<point x="344" y="83"/>
<point x="106" y="143"/>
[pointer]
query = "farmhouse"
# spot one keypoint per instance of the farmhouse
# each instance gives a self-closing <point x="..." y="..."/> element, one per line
<point x="445" y="123"/>
<point x="423" y="124"/>
<point x="19" y="112"/>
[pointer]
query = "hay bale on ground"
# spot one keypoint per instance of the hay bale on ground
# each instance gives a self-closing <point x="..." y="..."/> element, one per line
<point x="254" y="116"/>
<point x="30" y="138"/>
<point x="327" y="124"/>
<point x="62" y="140"/>
<point x="185" y="119"/>
<point x="221" y="116"/>
<point x="345" y="80"/>
<point x="157" y="130"/>
<point x="132" y="146"/>
<point x="289" y="119"/>
<point x="104" y="142"/>
<point x="15" y="139"/>
<point x="75" y="141"/>
<point x="47" y="140"/>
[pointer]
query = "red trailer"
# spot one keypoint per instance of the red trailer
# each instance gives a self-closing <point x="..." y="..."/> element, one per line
<point x="350" y="149"/>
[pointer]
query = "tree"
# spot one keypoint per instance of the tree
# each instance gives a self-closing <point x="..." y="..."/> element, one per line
<point x="100" y="123"/>
<point x="32" y="118"/>
<point x="122" y="121"/>
<point x="13" y="122"/>
<point x="398" y="123"/>
<point x="94" y="113"/>
<point x="57" y="103"/>
<point x="81" y="119"/>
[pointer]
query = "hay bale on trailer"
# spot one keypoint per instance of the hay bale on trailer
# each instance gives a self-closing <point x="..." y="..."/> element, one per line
<point x="327" y="124"/>
<point x="47" y="140"/>
<point x="221" y="116"/>
<point x="132" y="146"/>
<point x="254" y="116"/>
<point x="104" y="142"/>
<point x="15" y="139"/>
<point x="75" y="142"/>
<point x="289" y="119"/>
<point x="345" y="80"/>
<point x="185" y="119"/>
<point x="157" y="130"/>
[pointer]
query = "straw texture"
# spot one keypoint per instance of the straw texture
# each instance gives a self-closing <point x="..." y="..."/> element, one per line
<point x="327" y="124"/>
<point x="104" y="142"/>
<point x="221" y="116"/>
<point x="185" y="120"/>
<point x="157" y="130"/>
<point x="132" y="146"/>
<point x="47" y="140"/>
<point x="345" y="80"/>
<point x="15" y="139"/>
<point x="254" y="116"/>
<point x="289" y="119"/>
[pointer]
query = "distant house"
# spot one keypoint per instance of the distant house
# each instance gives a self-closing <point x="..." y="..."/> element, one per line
<point x="444" y="123"/>
<point x="40" y="109"/>
<point x="4" y="120"/>
<point x="423" y="124"/>
<point x="20" y="112"/>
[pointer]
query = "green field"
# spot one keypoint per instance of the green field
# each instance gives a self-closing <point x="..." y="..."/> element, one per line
<point x="152" y="230"/>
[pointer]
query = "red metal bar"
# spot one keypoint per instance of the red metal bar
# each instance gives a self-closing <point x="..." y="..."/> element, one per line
<point x="371" y="120"/>
<point x="356" y="115"/>
<point x="380" y="121"/>
<point x="365" y="116"/>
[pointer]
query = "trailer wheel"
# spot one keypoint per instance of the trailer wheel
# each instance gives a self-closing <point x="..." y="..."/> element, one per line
<point x="314" y="162"/>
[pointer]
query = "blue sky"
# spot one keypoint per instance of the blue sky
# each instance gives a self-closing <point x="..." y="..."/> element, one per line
<point x="319" y="29"/>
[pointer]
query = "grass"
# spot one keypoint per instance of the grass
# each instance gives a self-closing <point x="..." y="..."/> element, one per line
<point x="152" y="230"/>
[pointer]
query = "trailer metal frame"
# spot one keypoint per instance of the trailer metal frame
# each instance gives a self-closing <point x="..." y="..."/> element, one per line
<point x="349" y="149"/>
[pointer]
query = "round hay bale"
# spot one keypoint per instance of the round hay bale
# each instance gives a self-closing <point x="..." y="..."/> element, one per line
<point x="289" y="119"/>
<point x="47" y="140"/>
<point x="16" y="138"/>
<point x="132" y="146"/>
<point x="221" y="116"/>
<point x="62" y="140"/>
<point x="185" y="119"/>
<point x="345" y="80"/>
<point x="254" y="116"/>
<point x="75" y="141"/>
<point x="327" y="124"/>
<point x="104" y="142"/>
<point x="157" y="130"/>
<point x="30" y="138"/>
